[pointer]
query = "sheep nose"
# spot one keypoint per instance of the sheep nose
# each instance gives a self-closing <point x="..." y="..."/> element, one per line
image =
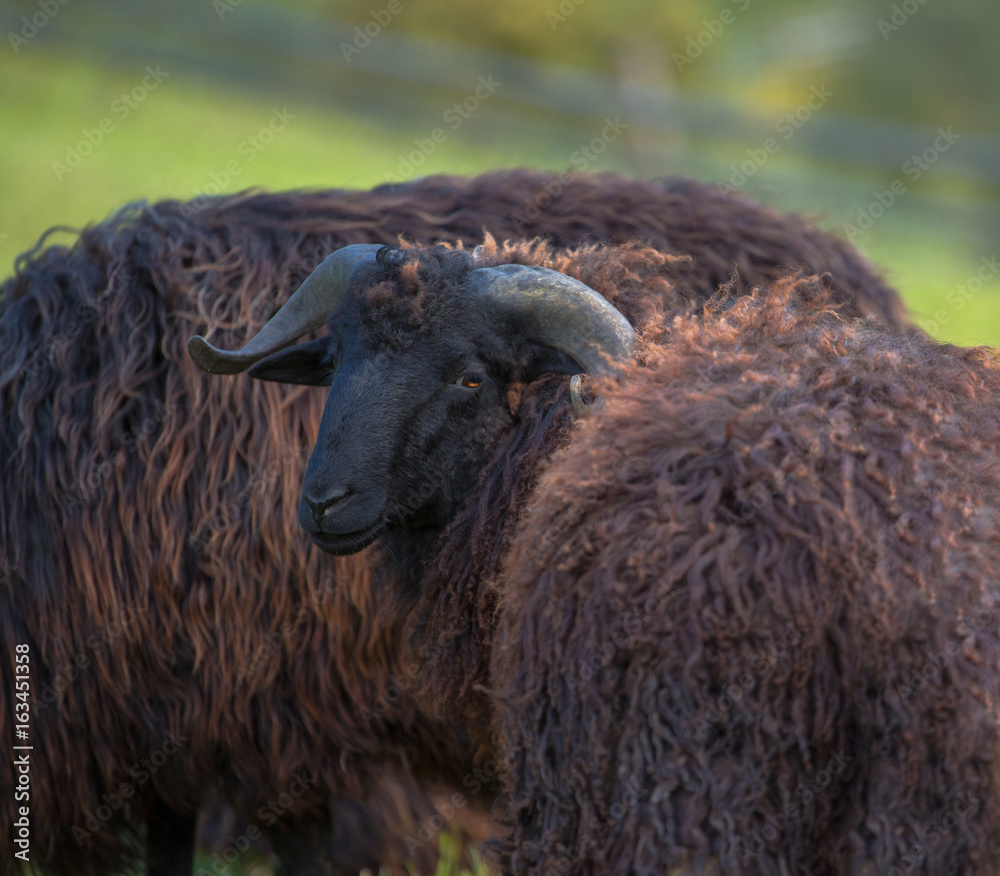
<point x="319" y="507"/>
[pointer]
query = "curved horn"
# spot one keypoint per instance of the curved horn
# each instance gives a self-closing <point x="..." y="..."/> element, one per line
<point x="559" y="312"/>
<point x="307" y="309"/>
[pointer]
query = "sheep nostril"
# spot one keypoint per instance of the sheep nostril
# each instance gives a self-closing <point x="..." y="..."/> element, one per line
<point x="319" y="507"/>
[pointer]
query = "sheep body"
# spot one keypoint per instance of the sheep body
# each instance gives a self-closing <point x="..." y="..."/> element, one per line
<point x="742" y="618"/>
<point x="749" y="624"/>
<point x="144" y="509"/>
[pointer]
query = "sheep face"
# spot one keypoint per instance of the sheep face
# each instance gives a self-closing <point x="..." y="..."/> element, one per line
<point x="422" y="348"/>
<point x="405" y="428"/>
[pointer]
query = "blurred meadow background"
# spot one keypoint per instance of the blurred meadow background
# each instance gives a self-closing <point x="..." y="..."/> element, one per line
<point x="879" y="120"/>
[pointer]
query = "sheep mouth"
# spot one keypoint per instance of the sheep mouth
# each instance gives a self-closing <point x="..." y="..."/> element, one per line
<point x="350" y="542"/>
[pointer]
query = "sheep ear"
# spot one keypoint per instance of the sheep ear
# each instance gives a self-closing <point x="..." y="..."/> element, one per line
<point x="306" y="364"/>
<point x="550" y="361"/>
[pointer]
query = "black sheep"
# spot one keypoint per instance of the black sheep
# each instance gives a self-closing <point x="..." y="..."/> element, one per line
<point x="148" y="549"/>
<point x="599" y="603"/>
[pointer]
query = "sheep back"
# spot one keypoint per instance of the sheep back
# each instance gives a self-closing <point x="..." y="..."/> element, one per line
<point x="748" y="622"/>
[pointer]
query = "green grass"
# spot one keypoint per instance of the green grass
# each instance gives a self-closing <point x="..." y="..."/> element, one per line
<point x="247" y="865"/>
<point x="450" y="848"/>
<point x="176" y="143"/>
<point x="186" y="136"/>
<point x="450" y="863"/>
<point x="935" y="283"/>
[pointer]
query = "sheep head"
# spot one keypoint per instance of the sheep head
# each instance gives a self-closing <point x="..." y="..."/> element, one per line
<point x="423" y="345"/>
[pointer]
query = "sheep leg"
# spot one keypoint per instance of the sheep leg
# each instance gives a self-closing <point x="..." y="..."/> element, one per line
<point x="304" y="848"/>
<point x="170" y="841"/>
<point x="356" y="833"/>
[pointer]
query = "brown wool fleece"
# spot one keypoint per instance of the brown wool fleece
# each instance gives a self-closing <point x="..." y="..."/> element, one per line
<point x="681" y="620"/>
<point x="749" y="622"/>
<point x="148" y="527"/>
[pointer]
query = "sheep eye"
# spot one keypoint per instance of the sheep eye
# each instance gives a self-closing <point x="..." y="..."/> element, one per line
<point x="470" y="381"/>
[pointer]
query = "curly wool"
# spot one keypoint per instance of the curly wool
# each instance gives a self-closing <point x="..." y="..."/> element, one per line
<point x="446" y="600"/>
<point x="124" y="464"/>
<point x="748" y="624"/>
<point x="760" y="571"/>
